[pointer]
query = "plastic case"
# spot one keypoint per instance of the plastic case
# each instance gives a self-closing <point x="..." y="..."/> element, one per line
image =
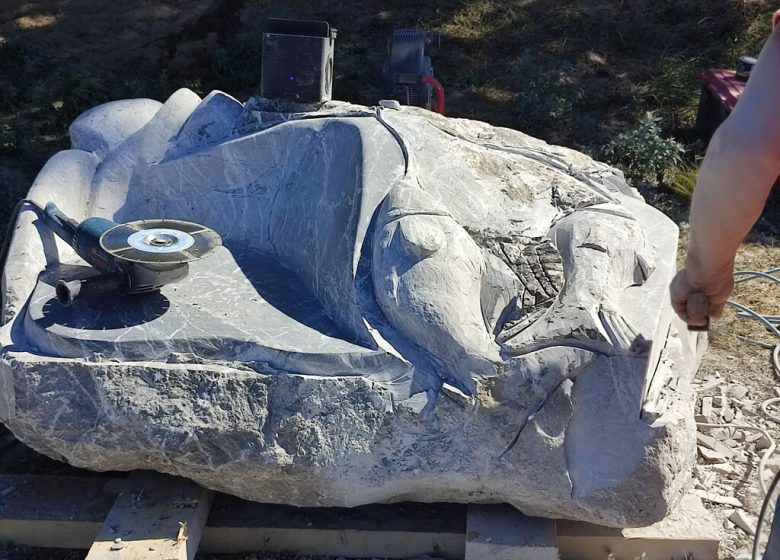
<point x="297" y="60"/>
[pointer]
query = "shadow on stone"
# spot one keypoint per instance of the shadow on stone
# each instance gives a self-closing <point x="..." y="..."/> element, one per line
<point x="96" y="313"/>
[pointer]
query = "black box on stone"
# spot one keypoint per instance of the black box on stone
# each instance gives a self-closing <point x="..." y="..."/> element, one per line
<point x="297" y="60"/>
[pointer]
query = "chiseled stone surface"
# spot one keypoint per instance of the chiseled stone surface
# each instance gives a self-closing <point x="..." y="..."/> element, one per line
<point x="406" y="307"/>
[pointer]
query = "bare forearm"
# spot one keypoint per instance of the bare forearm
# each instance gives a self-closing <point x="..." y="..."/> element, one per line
<point x="733" y="186"/>
<point x="736" y="176"/>
<point x="738" y="172"/>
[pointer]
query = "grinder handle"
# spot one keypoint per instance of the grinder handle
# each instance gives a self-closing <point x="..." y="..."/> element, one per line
<point x="59" y="223"/>
<point x="112" y="283"/>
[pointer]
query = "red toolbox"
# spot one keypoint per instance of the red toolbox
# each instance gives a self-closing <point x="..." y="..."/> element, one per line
<point x="720" y="90"/>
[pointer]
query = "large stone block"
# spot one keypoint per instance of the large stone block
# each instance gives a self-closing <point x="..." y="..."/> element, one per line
<point x="405" y="307"/>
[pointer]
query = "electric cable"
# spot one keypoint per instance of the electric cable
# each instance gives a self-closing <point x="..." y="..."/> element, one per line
<point x="9" y="232"/>
<point x="762" y="515"/>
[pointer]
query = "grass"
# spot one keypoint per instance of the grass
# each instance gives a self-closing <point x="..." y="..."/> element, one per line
<point x="682" y="181"/>
<point x="739" y="334"/>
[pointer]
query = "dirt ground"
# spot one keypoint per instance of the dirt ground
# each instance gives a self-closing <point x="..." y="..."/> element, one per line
<point x="570" y="71"/>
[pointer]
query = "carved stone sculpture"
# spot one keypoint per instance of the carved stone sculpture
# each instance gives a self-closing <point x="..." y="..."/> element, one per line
<point x="405" y="307"/>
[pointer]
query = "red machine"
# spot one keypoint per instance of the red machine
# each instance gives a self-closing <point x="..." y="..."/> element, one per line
<point x="720" y="91"/>
<point x="407" y="75"/>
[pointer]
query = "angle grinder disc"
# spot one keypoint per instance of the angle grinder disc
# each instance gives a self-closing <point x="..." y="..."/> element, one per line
<point x="160" y="241"/>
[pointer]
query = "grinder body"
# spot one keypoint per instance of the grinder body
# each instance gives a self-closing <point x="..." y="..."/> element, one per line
<point x="84" y="237"/>
<point x="159" y="262"/>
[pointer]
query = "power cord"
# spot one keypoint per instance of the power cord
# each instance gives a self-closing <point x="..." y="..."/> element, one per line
<point x="9" y="232"/>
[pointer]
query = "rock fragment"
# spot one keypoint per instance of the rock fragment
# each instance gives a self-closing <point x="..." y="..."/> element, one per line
<point x="713" y="444"/>
<point x="744" y="521"/>
<point x="718" y="499"/>
<point x="706" y="407"/>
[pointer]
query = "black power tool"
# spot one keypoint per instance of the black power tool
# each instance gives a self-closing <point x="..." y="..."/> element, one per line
<point x="134" y="258"/>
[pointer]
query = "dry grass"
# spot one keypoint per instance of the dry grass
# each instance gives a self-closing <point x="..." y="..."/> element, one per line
<point x="737" y="336"/>
<point x="762" y="296"/>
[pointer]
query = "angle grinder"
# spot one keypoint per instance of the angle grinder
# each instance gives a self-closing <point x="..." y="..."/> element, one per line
<point x="134" y="258"/>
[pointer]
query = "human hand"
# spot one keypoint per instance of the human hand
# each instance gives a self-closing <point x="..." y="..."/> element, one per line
<point x="696" y="301"/>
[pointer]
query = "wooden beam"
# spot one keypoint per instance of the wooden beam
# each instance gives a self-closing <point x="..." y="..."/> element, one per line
<point x="157" y="517"/>
<point x="501" y="532"/>
<point x="691" y="531"/>
<point x="68" y="512"/>
<point x="380" y="530"/>
<point x="53" y="511"/>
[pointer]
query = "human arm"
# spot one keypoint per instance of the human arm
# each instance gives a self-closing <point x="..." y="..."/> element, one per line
<point x="736" y="176"/>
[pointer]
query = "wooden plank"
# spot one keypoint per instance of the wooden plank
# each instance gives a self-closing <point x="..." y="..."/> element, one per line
<point x="381" y="530"/>
<point x="68" y="512"/>
<point x="44" y="533"/>
<point x="157" y="517"/>
<point x="689" y="532"/>
<point x="330" y="542"/>
<point x="501" y="532"/>
<point x="53" y="511"/>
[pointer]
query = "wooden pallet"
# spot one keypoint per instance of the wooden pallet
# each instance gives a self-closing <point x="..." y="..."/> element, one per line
<point x="158" y="517"/>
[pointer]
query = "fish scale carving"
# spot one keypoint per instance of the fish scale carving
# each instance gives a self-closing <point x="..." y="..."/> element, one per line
<point x="538" y="266"/>
<point x="535" y="261"/>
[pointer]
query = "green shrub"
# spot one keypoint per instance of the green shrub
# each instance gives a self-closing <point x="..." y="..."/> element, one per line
<point x="545" y="95"/>
<point x="196" y="85"/>
<point x="644" y="153"/>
